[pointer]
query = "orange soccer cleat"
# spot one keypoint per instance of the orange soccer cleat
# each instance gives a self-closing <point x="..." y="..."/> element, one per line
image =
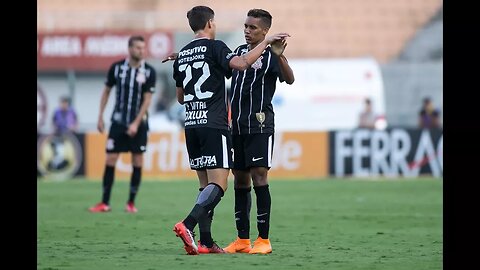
<point x="188" y="238"/>
<point x="202" y="249"/>
<point x="130" y="208"/>
<point x="99" y="208"/>
<point x="261" y="246"/>
<point x="239" y="246"/>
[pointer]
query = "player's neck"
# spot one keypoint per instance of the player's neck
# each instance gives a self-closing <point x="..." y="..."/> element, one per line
<point x="203" y="34"/>
<point x="134" y="63"/>
<point x="252" y="46"/>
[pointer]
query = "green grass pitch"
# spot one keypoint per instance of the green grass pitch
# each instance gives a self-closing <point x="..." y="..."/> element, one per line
<point x="315" y="224"/>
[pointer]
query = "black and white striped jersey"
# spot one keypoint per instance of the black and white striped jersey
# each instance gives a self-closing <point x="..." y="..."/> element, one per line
<point x="130" y="84"/>
<point x="200" y="69"/>
<point x="252" y="93"/>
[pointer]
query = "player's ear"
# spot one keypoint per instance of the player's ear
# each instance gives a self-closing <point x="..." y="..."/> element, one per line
<point x="265" y="30"/>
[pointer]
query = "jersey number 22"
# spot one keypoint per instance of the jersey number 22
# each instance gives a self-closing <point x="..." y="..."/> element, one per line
<point x="188" y="76"/>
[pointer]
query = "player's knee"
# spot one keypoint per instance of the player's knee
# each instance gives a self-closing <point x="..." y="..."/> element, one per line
<point x="112" y="159"/>
<point x="137" y="160"/>
<point x="259" y="176"/>
<point x="241" y="179"/>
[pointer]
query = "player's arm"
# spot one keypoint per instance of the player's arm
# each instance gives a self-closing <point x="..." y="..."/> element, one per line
<point x="170" y="57"/>
<point x="74" y="127"/>
<point x="278" y="47"/>
<point x="147" y="91"/>
<point x="109" y="83"/>
<point x="243" y="62"/>
<point x="420" y="119"/>
<point x="435" y="119"/>
<point x="133" y="127"/>
<point x="54" y="122"/>
<point x="103" y="103"/>
<point x="180" y="95"/>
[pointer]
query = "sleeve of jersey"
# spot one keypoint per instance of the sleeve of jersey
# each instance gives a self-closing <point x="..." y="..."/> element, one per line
<point x="176" y="75"/>
<point x="110" y="82"/>
<point x="149" y="85"/>
<point x="223" y="55"/>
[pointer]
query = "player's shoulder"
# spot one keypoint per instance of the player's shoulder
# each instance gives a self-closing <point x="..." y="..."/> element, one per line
<point x="187" y="46"/>
<point x="118" y="62"/>
<point x="149" y="66"/>
<point x="268" y="50"/>
<point x="242" y="48"/>
<point x="217" y="43"/>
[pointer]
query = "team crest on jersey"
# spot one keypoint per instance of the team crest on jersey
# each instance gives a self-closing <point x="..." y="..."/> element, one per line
<point x="141" y="77"/>
<point x="261" y="118"/>
<point x="258" y="63"/>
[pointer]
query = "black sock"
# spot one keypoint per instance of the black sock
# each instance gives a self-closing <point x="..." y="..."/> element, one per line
<point x="108" y="176"/>
<point x="205" y="225"/>
<point x="135" y="183"/>
<point x="263" y="210"/>
<point x="243" y="204"/>
<point x="207" y="200"/>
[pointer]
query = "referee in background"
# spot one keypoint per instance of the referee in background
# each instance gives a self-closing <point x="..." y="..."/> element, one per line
<point x="134" y="80"/>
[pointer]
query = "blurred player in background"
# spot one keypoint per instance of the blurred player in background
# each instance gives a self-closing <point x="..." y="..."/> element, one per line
<point x="366" y="118"/>
<point x="65" y="118"/>
<point x="199" y="72"/>
<point x="253" y="130"/>
<point x="429" y="116"/>
<point x="134" y="80"/>
<point x="65" y="121"/>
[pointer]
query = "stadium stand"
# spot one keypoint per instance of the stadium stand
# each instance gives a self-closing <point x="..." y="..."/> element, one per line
<point x="340" y="28"/>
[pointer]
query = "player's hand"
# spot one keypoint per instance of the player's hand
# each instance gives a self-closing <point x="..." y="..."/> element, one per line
<point x="132" y="129"/>
<point x="278" y="46"/>
<point x="278" y="36"/>
<point x="100" y="125"/>
<point x="171" y="57"/>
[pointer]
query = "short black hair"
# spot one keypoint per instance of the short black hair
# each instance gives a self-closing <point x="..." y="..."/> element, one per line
<point x="65" y="99"/>
<point x="132" y="39"/>
<point x="368" y="101"/>
<point x="264" y="16"/>
<point x="198" y="17"/>
<point x="426" y="100"/>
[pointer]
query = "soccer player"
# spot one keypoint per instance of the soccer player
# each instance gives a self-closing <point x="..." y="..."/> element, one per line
<point x="199" y="72"/>
<point x="134" y="80"/>
<point x="253" y="130"/>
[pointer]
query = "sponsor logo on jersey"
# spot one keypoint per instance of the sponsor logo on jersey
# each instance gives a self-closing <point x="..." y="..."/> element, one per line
<point x="193" y="50"/>
<point x="203" y="161"/>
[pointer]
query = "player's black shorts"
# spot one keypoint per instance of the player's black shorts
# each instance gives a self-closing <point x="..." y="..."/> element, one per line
<point x="252" y="150"/>
<point x="209" y="148"/>
<point x="118" y="140"/>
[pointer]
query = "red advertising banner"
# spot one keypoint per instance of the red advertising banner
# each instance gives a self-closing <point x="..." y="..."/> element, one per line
<point x="94" y="51"/>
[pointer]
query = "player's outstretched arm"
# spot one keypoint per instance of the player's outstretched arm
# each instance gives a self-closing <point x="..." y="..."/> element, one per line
<point x="170" y="57"/>
<point x="244" y="61"/>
